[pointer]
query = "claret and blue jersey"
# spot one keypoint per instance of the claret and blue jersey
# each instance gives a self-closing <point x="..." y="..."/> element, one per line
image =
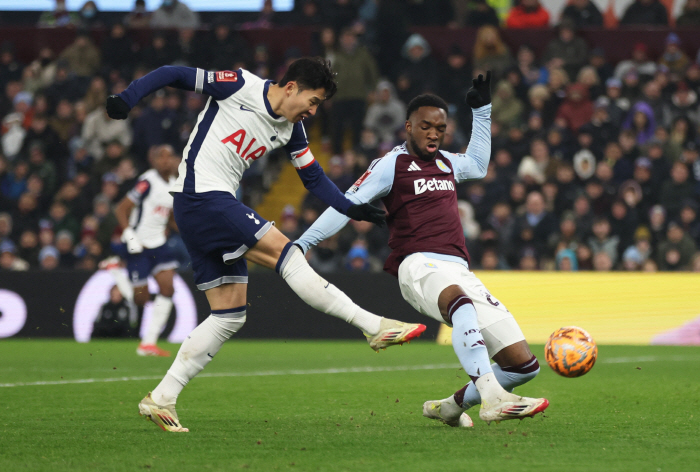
<point x="420" y="198"/>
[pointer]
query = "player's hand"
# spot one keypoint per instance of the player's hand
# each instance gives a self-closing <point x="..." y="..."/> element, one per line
<point x="480" y="93"/>
<point x="367" y="212"/>
<point x="117" y="108"/>
<point x="133" y="245"/>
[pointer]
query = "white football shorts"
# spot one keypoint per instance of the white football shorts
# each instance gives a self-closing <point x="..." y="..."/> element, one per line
<point x="422" y="279"/>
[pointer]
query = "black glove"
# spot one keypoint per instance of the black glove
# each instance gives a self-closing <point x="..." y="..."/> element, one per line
<point x="367" y="212"/>
<point x="117" y="109"/>
<point x="480" y="93"/>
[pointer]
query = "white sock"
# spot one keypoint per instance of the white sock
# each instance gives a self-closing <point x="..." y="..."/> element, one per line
<point x="123" y="284"/>
<point x="467" y="340"/>
<point x="509" y="378"/>
<point x="197" y="351"/>
<point x="321" y="294"/>
<point x="159" y="317"/>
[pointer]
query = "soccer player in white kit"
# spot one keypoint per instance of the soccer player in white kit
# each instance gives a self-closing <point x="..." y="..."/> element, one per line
<point x="416" y="181"/>
<point x="244" y="118"/>
<point x="144" y="214"/>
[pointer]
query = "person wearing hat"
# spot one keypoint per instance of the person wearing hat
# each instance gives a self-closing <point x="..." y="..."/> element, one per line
<point x="357" y="76"/>
<point x="673" y="56"/>
<point x="567" y="50"/>
<point x="645" y="12"/>
<point x="9" y="259"/>
<point x="596" y="58"/>
<point x="82" y="55"/>
<point x="639" y="61"/>
<point x="386" y="114"/>
<point x="48" y="258"/>
<point x="617" y="109"/>
<point x="357" y="259"/>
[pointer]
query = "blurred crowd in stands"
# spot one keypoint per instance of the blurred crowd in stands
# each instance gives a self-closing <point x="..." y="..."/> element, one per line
<point x="595" y="166"/>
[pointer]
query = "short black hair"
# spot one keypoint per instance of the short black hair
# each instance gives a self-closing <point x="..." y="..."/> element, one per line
<point x="311" y="73"/>
<point x="425" y="100"/>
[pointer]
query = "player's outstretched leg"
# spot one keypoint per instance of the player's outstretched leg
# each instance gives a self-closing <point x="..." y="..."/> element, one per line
<point x="496" y="403"/>
<point x="196" y="352"/>
<point x="325" y="297"/>
<point x="451" y="410"/>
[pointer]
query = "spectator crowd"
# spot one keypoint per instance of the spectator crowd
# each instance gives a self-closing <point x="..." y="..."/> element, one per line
<point x="595" y="165"/>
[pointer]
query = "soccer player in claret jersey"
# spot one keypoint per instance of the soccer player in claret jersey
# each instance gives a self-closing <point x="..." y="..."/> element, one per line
<point x="144" y="214"/>
<point x="244" y="118"/>
<point x="416" y="181"/>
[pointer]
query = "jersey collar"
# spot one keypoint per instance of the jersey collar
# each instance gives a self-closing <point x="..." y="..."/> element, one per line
<point x="267" y="102"/>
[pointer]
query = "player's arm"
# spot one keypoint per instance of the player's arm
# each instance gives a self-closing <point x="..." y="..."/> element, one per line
<point x="123" y="210"/>
<point x="375" y="183"/>
<point x="219" y="85"/>
<point x="474" y="163"/>
<point x="317" y="182"/>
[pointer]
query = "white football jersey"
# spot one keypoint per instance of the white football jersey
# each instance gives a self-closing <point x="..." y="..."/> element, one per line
<point x="232" y="131"/>
<point x="153" y="206"/>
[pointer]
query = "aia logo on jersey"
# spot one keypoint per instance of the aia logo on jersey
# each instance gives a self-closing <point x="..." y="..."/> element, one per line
<point x="359" y="181"/>
<point x="226" y="76"/>
<point x="161" y="211"/>
<point x="431" y="185"/>
<point x="238" y="140"/>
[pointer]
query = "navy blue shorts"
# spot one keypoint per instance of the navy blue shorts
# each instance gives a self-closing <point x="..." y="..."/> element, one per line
<point x="149" y="262"/>
<point x="217" y="230"/>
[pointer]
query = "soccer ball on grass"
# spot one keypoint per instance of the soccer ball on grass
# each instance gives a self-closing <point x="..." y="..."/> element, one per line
<point x="570" y="351"/>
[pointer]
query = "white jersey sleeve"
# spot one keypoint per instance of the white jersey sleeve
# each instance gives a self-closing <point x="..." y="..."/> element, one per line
<point x="474" y="163"/>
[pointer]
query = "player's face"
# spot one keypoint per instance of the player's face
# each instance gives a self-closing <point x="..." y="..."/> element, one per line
<point x="302" y="104"/>
<point x="425" y="130"/>
<point x="163" y="162"/>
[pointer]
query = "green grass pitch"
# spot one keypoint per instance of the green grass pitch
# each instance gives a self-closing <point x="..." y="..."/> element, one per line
<point x="337" y="406"/>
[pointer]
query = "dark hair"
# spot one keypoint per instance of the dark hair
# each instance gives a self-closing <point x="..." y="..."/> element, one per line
<point x="311" y="73"/>
<point x="425" y="100"/>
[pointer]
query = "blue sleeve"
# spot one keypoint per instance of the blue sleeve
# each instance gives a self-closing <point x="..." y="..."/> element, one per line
<point x="317" y="182"/>
<point x="375" y="183"/>
<point x="475" y="162"/>
<point x="298" y="142"/>
<point x="219" y="85"/>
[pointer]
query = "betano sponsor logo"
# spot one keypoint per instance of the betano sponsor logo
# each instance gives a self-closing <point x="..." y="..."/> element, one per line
<point x="423" y="185"/>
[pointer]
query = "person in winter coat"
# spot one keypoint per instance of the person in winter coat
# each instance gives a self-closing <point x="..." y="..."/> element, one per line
<point x="528" y="14"/>
<point x="577" y="108"/>
<point x="386" y="114"/>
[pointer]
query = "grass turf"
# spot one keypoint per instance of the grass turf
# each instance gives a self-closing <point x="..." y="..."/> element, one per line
<point x="636" y="410"/>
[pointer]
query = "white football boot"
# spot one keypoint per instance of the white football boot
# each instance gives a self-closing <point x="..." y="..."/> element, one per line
<point x="392" y="332"/>
<point x="164" y="416"/>
<point x="512" y="407"/>
<point x="448" y="412"/>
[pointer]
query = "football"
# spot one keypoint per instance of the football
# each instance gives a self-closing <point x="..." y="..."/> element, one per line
<point x="571" y="351"/>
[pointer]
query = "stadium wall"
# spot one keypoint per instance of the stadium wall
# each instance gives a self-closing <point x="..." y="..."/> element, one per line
<point x="616" y="308"/>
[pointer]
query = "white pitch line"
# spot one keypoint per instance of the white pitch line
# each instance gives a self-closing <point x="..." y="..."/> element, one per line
<point x="338" y="370"/>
